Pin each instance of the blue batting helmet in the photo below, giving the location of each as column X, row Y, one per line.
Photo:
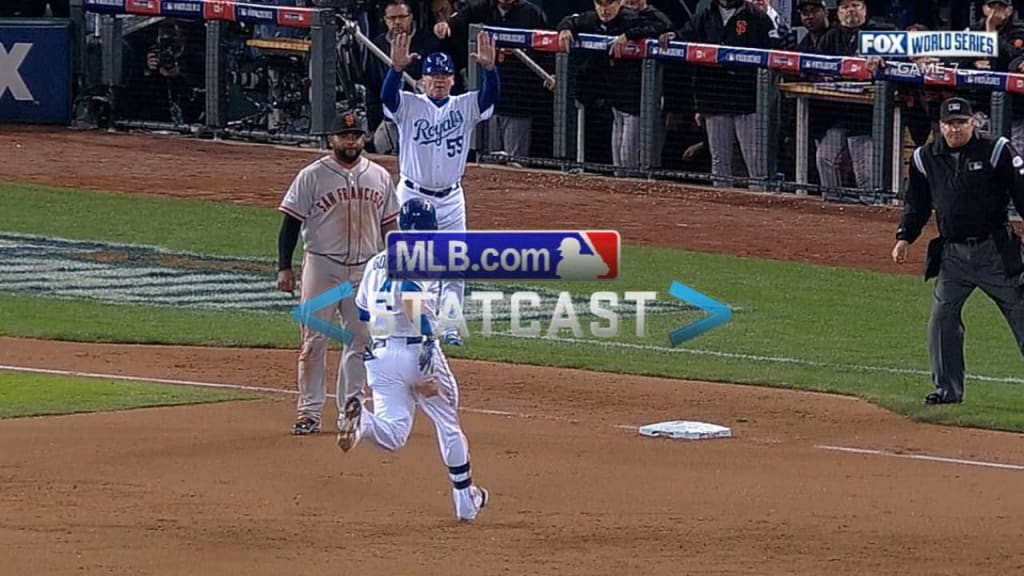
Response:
column 438, row 63
column 417, row 214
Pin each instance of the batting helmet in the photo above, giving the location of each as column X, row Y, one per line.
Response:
column 417, row 214
column 349, row 121
column 438, row 63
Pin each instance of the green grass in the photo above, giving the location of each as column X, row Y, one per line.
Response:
column 186, row 225
column 24, row 395
column 795, row 325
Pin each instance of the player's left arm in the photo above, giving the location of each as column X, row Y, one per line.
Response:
column 1009, row 169
column 490, row 90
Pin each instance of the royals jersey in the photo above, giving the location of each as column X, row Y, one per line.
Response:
column 380, row 300
column 434, row 140
column 342, row 211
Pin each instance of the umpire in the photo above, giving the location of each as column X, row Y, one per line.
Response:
column 968, row 180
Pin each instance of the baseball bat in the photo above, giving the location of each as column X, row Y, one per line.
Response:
column 549, row 80
column 384, row 57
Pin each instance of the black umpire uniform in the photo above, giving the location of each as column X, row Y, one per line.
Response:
column 969, row 181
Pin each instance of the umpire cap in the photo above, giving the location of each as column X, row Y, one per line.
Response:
column 349, row 121
column 956, row 109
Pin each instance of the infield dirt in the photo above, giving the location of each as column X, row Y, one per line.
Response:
column 223, row 489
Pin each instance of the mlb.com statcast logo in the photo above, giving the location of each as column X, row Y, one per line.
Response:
column 588, row 255
column 574, row 255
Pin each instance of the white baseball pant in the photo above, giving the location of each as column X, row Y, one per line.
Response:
column 392, row 374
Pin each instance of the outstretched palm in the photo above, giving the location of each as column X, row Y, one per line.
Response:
column 485, row 51
column 400, row 56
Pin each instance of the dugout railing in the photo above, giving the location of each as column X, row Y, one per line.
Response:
column 570, row 125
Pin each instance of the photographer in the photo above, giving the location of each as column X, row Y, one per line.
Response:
column 163, row 90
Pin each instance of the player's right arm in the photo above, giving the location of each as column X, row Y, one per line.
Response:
column 295, row 206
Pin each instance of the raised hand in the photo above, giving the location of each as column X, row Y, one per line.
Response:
column 400, row 56
column 485, row 51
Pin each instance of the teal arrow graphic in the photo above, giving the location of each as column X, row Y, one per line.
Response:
column 718, row 313
column 305, row 313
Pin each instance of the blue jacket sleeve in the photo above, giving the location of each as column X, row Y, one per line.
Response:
column 390, row 90
column 490, row 91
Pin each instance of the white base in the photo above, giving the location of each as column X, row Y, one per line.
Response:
column 685, row 430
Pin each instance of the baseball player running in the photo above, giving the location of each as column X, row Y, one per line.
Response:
column 344, row 204
column 434, row 136
column 406, row 368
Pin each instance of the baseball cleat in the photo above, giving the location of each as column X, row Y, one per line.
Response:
column 480, row 497
column 305, row 425
column 348, row 425
column 452, row 339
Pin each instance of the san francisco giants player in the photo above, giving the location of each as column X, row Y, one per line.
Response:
column 344, row 204
column 406, row 368
column 434, row 136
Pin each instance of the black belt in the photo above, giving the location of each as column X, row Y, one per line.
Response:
column 435, row 193
column 972, row 240
column 407, row 340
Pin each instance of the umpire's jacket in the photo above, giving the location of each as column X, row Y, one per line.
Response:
column 970, row 195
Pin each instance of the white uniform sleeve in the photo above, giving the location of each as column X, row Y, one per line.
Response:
column 364, row 288
column 403, row 108
column 298, row 201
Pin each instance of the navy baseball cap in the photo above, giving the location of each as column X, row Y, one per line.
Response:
column 438, row 63
column 956, row 109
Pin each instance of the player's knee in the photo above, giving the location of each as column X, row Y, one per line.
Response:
column 400, row 432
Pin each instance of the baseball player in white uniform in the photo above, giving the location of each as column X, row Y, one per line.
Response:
column 344, row 205
column 406, row 368
column 435, row 129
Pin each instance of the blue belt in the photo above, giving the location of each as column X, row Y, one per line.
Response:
column 406, row 340
column 435, row 193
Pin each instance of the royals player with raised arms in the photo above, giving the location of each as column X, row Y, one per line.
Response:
column 434, row 136
column 406, row 368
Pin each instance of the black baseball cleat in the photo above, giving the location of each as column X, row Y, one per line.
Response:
column 304, row 426
column 940, row 398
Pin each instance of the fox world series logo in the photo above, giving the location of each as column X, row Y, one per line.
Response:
column 504, row 255
column 941, row 44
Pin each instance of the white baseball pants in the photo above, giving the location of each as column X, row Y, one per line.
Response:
column 451, row 215
column 392, row 374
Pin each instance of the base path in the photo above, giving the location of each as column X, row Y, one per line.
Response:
column 223, row 488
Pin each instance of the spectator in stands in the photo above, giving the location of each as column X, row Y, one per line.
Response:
column 726, row 98
column 608, row 77
column 850, row 135
column 999, row 16
column 814, row 17
column 510, row 128
column 399, row 19
column 658, row 19
column 782, row 37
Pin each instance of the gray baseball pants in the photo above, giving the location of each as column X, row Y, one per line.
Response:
column 724, row 130
column 965, row 267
